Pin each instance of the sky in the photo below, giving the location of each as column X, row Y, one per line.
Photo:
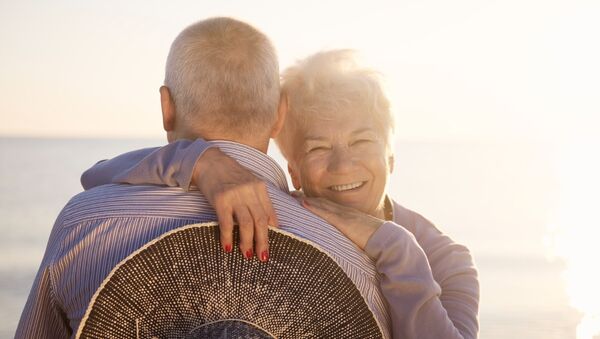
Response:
column 464, row 69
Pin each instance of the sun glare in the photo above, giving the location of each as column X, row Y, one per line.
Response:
column 575, row 233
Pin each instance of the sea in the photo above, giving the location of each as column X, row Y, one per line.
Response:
column 503, row 200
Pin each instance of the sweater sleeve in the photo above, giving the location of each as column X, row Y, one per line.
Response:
column 453, row 268
column 412, row 290
column 169, row 165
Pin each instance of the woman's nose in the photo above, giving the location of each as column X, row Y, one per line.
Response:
column 341, row 161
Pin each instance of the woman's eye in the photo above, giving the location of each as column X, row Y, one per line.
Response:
column 317, row 148
column 360, row 142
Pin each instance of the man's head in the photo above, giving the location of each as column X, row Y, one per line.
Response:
column 221, row 82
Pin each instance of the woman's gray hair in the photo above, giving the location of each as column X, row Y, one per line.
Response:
column 331, row 82
column 223, row 72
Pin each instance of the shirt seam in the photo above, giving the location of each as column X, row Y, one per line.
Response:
column 79, row 222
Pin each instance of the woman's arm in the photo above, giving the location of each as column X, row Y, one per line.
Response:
column 407, row 279
column 431, row 300
column 452, row 267
column 169, row 165
column 235, row 193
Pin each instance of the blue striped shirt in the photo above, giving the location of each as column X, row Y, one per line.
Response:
column 100, row 227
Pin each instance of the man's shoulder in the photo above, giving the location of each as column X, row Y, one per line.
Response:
column 120, row 200
column 123, row 192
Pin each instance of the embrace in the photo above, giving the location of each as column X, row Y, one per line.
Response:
column 222, row 101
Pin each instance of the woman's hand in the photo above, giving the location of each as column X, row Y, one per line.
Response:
column 236, row 194
column 354, row 224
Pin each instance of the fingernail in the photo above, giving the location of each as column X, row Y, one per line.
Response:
column 249, row 254
column 305, row 202
column 264, row 256
column 228, row 248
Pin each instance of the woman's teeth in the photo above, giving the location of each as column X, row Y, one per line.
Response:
column 340, row 188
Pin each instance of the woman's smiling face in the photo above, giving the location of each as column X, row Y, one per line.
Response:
column 343, row 158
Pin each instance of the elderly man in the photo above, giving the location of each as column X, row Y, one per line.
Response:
column 222, row 84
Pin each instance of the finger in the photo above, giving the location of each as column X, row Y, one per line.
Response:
column 264, row 215
column 246, row 227
column 316, row 207
column 226, row 230
column 318, row 203
column 325, row 209
column 261, row 242
column 265, row 201
column 330, row 206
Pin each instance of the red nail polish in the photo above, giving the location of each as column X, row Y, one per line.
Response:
column 249, row 254
column 264, row 256
column 228, row 248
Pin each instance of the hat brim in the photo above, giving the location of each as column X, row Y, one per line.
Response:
column 180, row 282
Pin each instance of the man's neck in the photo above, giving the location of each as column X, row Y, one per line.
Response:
column 260, row 144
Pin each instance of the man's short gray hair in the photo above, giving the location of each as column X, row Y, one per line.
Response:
column 331, row 82
column 223, row 75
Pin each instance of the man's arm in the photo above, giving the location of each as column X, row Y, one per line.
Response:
column 43, row 316
column 233, row 191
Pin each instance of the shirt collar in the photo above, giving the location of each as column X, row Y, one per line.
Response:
column 256, row 161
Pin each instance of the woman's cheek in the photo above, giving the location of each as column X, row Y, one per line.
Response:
column 310, row 172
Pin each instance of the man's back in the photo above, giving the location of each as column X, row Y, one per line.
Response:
column 100, row 227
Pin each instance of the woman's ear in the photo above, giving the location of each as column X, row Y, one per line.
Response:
column 295, row 177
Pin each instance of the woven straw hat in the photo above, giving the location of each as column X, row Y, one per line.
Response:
column 182, row 285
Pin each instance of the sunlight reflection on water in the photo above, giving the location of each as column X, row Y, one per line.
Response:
column 573, row 237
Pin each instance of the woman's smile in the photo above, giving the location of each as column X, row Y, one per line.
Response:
column 347, row 187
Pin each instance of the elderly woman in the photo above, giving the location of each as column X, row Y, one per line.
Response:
column 337, row 139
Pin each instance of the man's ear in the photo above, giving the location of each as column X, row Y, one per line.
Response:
column 391, row 163
column 168, row 109
column 282, row 110
column 295, row 177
